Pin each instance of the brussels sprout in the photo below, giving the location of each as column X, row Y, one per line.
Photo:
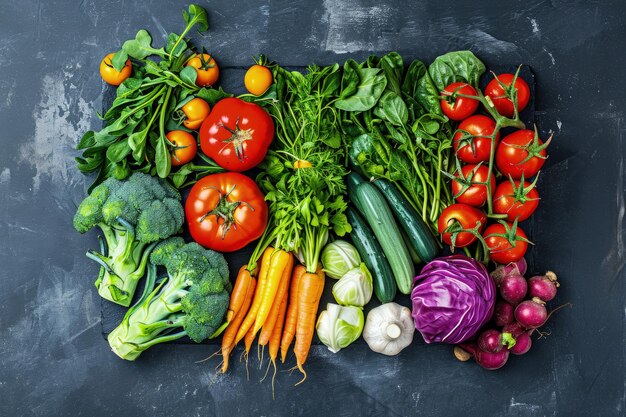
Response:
column 338, row 326
column 355, row 288
column 338, row 258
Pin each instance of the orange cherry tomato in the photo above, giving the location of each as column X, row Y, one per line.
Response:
column 196, row 110
column 206, row 68
column 112, row 76
column 185, row 146
column 258, row 79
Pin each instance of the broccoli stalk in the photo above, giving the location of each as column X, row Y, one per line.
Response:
column 133, row 215
column 191, row 301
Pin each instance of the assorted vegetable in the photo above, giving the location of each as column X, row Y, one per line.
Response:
column 401, row 160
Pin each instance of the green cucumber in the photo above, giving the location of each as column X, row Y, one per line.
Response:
column 418, row 233
column 374, row 208
column 372, row 254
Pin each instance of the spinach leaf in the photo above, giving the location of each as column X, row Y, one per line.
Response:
column 393, row 67
column 427, row 95
column 370, row 86
column 196, row 16
column 456, row 66
column 140, row 47
column 119, row 60
column 212, row 95
column 189, row 75
column 173, row 41
column 391, row 108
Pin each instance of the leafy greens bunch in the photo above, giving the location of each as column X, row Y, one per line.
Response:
column 304, row 169
column 396, row 125
column 133, row 138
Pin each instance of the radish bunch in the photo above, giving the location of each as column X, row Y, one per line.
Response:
column 520, row 309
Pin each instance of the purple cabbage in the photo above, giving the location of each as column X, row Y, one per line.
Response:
column 452, row 299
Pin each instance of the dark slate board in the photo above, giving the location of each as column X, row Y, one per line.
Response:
column 112, row 313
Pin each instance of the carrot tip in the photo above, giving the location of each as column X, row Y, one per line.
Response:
column 301, row 369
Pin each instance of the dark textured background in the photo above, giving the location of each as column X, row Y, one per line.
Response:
column 53, row 360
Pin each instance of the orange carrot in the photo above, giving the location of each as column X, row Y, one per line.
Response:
column 238, row 295
column 310, row 291
column 228, row 340
column 280, row 260
column 248, row 340
column 268, row 327
column 276, row 333
column 256, row 302
column 289, row 330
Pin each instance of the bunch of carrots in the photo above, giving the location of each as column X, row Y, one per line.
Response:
column 281, row 303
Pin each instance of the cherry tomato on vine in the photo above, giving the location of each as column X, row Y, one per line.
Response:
column 457, row 218
column 506, row 242
column 112, row 76
column 195, row 110
column 516, row 199
column 521, row 153
column 459, row 108
column 504, row 105
column 258, row 79
column 226, row 211
column 472, row 141
column 237, row 134
column 185, row 146
column 206, row 68
column 465, row 189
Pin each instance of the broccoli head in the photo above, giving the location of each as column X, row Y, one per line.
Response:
column 133, row 215
column 191, row 301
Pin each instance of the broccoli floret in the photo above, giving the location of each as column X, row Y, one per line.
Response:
column 133, row 215
column 191, row 301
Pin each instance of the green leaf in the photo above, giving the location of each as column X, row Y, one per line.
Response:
column 456, row 66
column 393, row 67
column 391, row 108
column 350, row 79
column 87, row 141
column 196, row 16
column 171, row 41
column 140, row 47
column 162, row 158
column 118, row 151
column 370, row 86
column 189, row 75
column 212, row 95
column 119, row 60
column 428, row 96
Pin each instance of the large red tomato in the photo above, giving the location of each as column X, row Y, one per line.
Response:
column 226, row 211
column 236, row 134
column 465, row 187
column 506, row 242
column 455, row 220
column 472, row 141
column 496, row 92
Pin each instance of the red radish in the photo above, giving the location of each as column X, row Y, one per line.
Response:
column 487, row 360
column 503, row 313
column 513, row 268
column 514, row 329
column 493, row 341
column 513, row 288
column 523, row 343
column 543, row 286
column 531, row 313
column 491, row 361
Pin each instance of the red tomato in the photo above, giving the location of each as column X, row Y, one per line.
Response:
column 236, row 134
column 465, row 189
column 459, row 108
column 515, row 200
column 457, row 218
column 226, row 211
column 503, row 105
column 521, row 153
column 473, row 150
column 506, row 243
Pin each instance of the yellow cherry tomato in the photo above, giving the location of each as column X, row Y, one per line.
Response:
column 196, row 110
column 185, row 147
column 206, row 68
column 112, row 76
column 258, row 79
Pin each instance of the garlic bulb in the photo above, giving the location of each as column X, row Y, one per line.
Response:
column 389, row 328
